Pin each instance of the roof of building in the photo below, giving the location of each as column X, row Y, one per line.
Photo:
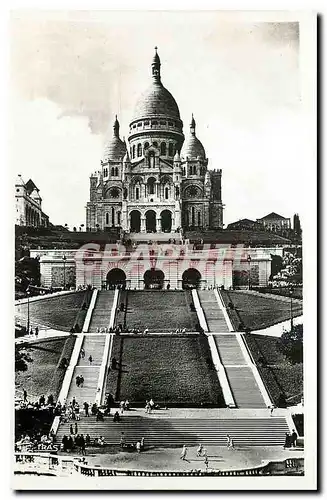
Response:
column 30, row 186
column 19, row 181
column 115, row 148
column 156, row 101
column 192, row 147
column 272, row 215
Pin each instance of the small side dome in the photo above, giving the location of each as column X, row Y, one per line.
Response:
column 19, row 181
column 115, row 148
column 192, row 147
column 177, row 156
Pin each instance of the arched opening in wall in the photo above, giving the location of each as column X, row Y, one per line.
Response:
column 116, row 278
column 107, row 219
column 191, row 279
column 112, row 216
column 199, row 219
column 166, row 221
column 163, row 149
column 133, row 152
column 151, row 159
column 139, row 150
column 146, row 145
column 137, row 193
column 154, row 279
column 151, row 185
column 166, row 193
column 135, row 221
column 150, row 221
column 192, row 216
column 171, row 149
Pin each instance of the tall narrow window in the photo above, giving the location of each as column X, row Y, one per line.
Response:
column 133, row 154
column 163, row 149
column 171, row 149
column 116, row 171
column 192, row 216
column 107, row 219
column 113, row 216
column 118, row 218
column 137, row 193
column 166, row 193
column 139, row 150
column 151, row 159
column 112, row 171
column 199, row 219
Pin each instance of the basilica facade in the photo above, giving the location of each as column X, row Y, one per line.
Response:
column 159, row 180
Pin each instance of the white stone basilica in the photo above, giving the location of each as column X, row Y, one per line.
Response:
column 157, row 182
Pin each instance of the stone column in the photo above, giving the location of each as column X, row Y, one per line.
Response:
column 143, row 226
column 158, row 225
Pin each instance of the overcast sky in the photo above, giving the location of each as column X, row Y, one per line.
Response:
column 72, row 72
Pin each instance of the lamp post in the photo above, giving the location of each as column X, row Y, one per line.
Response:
column 291, row 296
column 64, row 259
column 249, row 271
column 28, row 313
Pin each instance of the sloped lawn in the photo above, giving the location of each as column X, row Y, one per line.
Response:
column 58, row 312
column 172, row 370
column 258, row 312
column 283, row 379
column 160, row 311
column 44, row 375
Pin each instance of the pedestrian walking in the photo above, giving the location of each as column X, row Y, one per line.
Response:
column 36, row 331
column 81, row 379
column 142, row 443
column 122, row 407
column 206, row 462
column 25, row 395
column 293, row 438
column 78, row 380
column 90, row 359
column 271, row 411
column 228, row 438
column 287, row 443
column 184, row 453
column 86, row 408
column 82, row 353
column 76, row 428
column 82, row 444
column 71, row 429
column 199, row 451
column 138, row 447
column 122, row 440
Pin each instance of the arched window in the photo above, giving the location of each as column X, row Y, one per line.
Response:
column 192, row 216
column 116, row 171
column 199, row 219
column 113, row 216
column 137, row 193
column 171, row 149
column 105, row 172
column 133, row 153
column 166, row 193
column 155, row 144
column 107, row 219
column 139, row 150
column 151, row 159
column 112, row 171
column 151, row 185
column 118, row 218
column 163, row 149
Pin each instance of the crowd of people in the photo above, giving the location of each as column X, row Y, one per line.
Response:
column 290, row 439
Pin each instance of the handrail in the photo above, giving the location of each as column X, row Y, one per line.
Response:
column 93, row 471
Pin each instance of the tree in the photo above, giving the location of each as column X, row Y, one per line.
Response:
column 276, row 265
column 292, row 344
column 21, row 359
column 74, row 229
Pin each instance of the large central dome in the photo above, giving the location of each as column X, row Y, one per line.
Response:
column 156, row 101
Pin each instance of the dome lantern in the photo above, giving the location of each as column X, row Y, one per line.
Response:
column 156, row 66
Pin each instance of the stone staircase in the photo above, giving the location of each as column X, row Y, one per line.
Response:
column 175, row 432
column 93, row 345
column 240, row 376
column 214, row 316
column 102, row 310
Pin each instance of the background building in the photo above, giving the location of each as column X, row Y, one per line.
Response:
column 157, row 182
column 29, row 205
column 275, row 222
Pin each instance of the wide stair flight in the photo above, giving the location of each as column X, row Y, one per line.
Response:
column 214, row 316
column 175, row 432
column 93, row 346
column 240, row 376
column 102, row 310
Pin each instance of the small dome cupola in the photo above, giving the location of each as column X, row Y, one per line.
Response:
column 156, row 66
column 192, row 147
column 115, row 148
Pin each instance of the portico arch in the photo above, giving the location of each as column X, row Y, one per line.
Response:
column 150, row 221
column 154, row 278
column 135, row 221
column 166, row 221
column 116, row 277
column 191, row 279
